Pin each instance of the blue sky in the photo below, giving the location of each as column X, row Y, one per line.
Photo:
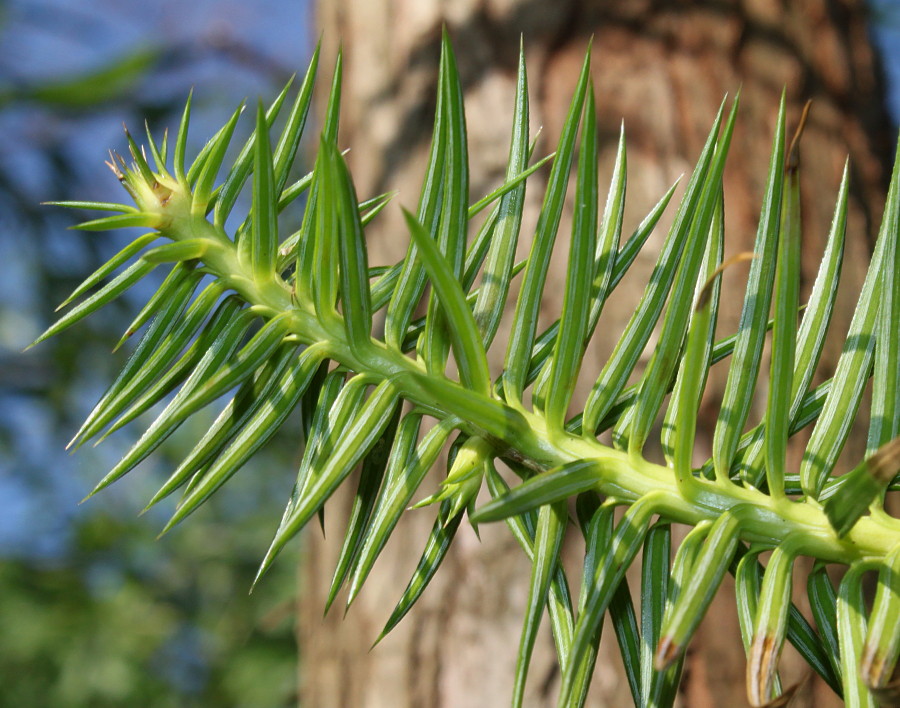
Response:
column 886, row 33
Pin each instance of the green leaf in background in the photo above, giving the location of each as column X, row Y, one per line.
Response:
column 86, row 91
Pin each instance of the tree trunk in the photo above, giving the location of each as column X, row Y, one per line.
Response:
column 663, row 67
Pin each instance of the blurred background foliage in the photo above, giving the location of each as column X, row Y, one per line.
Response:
column 93, row 611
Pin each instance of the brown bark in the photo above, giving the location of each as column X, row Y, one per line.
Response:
column 663, row 67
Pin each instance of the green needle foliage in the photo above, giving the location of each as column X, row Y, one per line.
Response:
column 273, row 322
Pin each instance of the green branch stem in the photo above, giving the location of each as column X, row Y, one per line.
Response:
column 288, row 322
column 620, row 475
